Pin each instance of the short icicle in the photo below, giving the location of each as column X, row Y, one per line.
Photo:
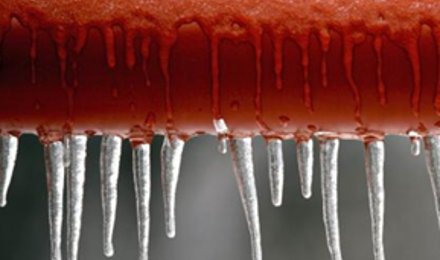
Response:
column 304, row 154
column 329, row 186
column 171, row 157
column 142, row 184
column 75, row 192
column 109, row 163
column 414, row 138
column 276, row 170
column 53, row 153
column 241, row 152
column 8, row 155
column 222, row 130
column 432, row 151
column 374, row 163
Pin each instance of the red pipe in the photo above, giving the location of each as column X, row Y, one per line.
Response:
column 351, row 68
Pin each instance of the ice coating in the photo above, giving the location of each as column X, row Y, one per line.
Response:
column 77, row 151
column 241, row 153
column 374, row 162
column 171, row 158
column 276, row 170
column 142, row 182
column 54, row 160
column 8, row 154
column 110, row 160
column 329, row 189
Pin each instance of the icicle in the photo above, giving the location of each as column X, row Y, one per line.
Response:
column 8, row 154
column 276, row 170
column 66, row 142
column 55, row 185
column 329, row 186
column 75, row 192
column 222, row 129
column 171, row 158
column 241, row 152
column 110, row 158
column 304, row 155
column 375, row 157
column 142, row 184
column 432, row 150
column 414, row 138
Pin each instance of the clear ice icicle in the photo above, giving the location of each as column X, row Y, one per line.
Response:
column 414, row 138
column 222, row 129
column 8, row 154
column 76, row 170
column 329, row 185
column 241, row 152
column 54, row 156
column 432, row 150
column 276, row 170
column 374, row 163
column 142, row 184
column 171, row 157
column 304, row 155
column 110, row 159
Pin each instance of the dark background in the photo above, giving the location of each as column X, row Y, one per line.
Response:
column 210, row 219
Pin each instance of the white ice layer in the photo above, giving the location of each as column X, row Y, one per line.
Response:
column 142, row 184
column 54, row 161
column 304, row 154
column 8, row 154
column 241, row 152
column 76, row 170
column 329, row 188
column 109, row 167
column 374, row 163
column 171, row 157
column 276, row 170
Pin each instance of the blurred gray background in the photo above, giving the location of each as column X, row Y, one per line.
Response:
column 210, row 219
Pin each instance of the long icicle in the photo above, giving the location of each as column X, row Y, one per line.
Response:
column 171, row 157
column 432, row 151
column 276, row 170
column 374, row 163
column 110, row 159
column 76, row 171
column 329, row 186
column 241, row 152
column 8, row 154
column 53, row 153
column 142, row 184
column 304, row 155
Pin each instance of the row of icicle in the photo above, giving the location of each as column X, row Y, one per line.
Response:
column 66, row 159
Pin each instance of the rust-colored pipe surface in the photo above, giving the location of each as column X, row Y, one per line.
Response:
column 267, row 67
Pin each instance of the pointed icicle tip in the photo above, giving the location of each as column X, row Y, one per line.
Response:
column 54, row 153
column 276, row 170
column 142, row 184
column 329, row 186
column 304, row 153
column 374, row 163
column 8, row 155
column 432, row 150
column 110, row 160
column 241, row 153
column 171, row 157
column 77, row 150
